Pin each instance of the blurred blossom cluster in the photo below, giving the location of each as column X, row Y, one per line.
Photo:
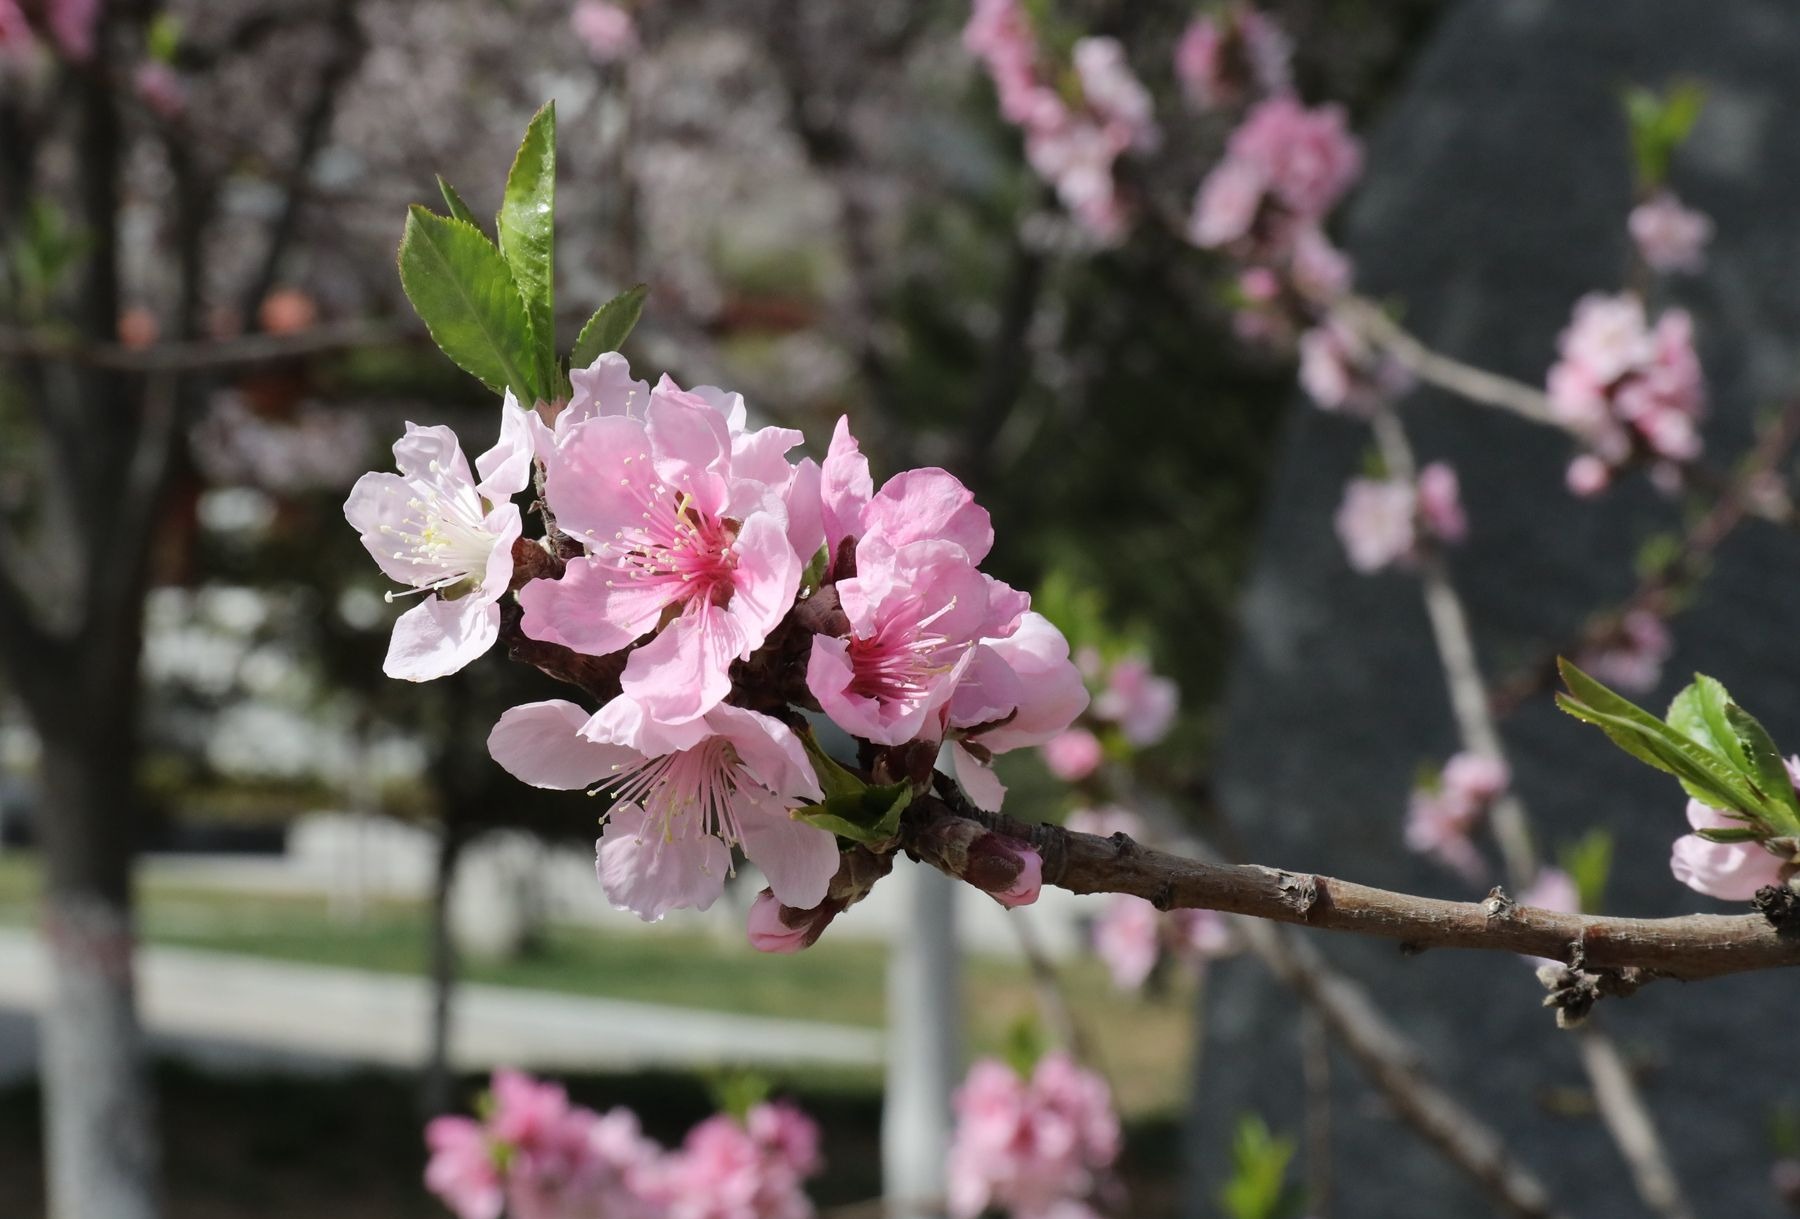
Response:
column 1135, row 704
column 534, row 1155
column 1382, row 521
column 315, row 449
column 1228, row 55
column 1669, row 236
column 1076, row 124
column 1629, row 389
column 1036, row 1147
column 1443, row 814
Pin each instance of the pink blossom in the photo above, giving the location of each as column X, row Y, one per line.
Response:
column 687, row 540
column 1028, row 881
column 726, row 1169
column 1440, row 503
column 1019, row 690
column 606, row 30
column 1321, row 272
column 1204, row 935
column 1128, row 939
column 17, row 42
column 1729, row 871
column 1139, row 700
column 432, row 526
column 915, row 613
column 1223, row 58
column 1670, row 237
column 73, row 24
column 768, row 929
column 1111, row 90
column 1375, row 522
column 1073, row 755
column 1300, row 160
column 1624, row 387
column 1632, row 657
column 684, row 795
column 1441, row 817
column 1588, row 476
column 462, row 1170
column 1341, row 371
column 160, row 87
column 1555, row 890
column 1031, row 1148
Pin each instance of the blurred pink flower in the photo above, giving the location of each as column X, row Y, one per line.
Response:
column 161, row 88
column 73, row 24
column 1341, row 371
column 1670, row 237
column 1301, row 160
column 1375, row 523
column 1225, row 57
column 1441, row 818
column 1128, row 939
column 1624, row 386
column 1440, row 503
column 1139, row 700
column 1632, row 659
column 462, row 1170
column 1073, row 755
column 606, row 30
column 1030, row 1148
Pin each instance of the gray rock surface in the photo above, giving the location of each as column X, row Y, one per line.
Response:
column 1497, row 194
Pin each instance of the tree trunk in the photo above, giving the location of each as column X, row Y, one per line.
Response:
column 100, row 1133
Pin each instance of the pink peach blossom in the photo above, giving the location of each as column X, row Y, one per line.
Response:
column 1073, row 755
column 606, row 30
column 687, row 541
column 1030, row 1148
column 1376, row 523
column 1300, row 160
column 684, row 796
column 1222, row 58
column 1632, row 658
column 1019, row 690
column 1670, row 237
column 1128, row 940
column 1729, row 871
column 1440, row 503
column 1139, row 700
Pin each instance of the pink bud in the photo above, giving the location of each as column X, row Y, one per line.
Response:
column 1030, row 882
column 1588, row 476
column 770, row 929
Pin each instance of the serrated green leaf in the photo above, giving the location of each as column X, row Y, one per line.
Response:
column 527, row 230
column 869, row 815
column 458, row 209
column 610, row 326
column 1698, row 712
column 464, row 292
column 1781, row 808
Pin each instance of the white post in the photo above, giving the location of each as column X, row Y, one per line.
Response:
column 924, row 1060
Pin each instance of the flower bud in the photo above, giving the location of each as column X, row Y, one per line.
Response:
column 993, row 857
column 776, row 928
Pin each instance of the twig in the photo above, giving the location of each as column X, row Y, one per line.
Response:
column 1053, row 1005
column 209, row 355
column 1465, row 380
column 1634, row 950
column 1628, row 1121
column 1315, row 1070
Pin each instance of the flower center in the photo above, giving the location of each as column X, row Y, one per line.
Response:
column 904, row 658
column 699, row 782
column 677, row 545
column 444, row 533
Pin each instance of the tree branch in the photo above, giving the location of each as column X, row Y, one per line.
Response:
column 1465, row 380
column 1632, row 951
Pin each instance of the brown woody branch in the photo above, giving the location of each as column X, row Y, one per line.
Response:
column 1630, row 951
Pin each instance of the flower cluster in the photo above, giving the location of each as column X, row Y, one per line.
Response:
column 1037, row 1148
column 1381, row 519
column 723, row 588
column 1074, row 132
column 1668, row 236
column 1340, row 370
column 1631, row 655
column 1626, row 388
column 1226, row 57
column 534, row 1155
column 1730, row 871
column 1443, row 814
column 1284, row 169
column 1135, row 704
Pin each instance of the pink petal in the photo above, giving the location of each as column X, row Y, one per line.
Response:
column 798, row 859
column 685, row 671
column 806, row 521
column 692, row 445
column 598, row 476
column 378, row 506
column 979, row 783
column 769, row 750
column 539, row 744
column 766, row 579
column 930, row 503
column 506, row 468
column 436, row 637
column 845, row 487
column 1053, row 693
column 579, row 611
column 650, row 873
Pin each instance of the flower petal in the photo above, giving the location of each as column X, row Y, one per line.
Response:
column 650, row 872
column 505, row 469
column 540, row 744
column 685, row 671
column 436, row 637
column 798, row 859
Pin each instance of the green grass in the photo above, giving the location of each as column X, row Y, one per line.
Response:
column 1141, row 1043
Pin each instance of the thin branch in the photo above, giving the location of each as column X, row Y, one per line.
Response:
column 1633, row 951
column 1628, row 1121
column 209, row 355
column 1315, row 1070
column 1465, row 380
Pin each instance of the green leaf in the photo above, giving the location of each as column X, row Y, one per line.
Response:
column 1731, row 834
column 463, row 292
column 1025, row 1044
column 608, row 329
column 527, row 229
column 458, row 209
column 869, row 815
column 1258, row 1186
column 163, row 38
column 1699, row 712
column 1706, row 775
column 1781, row 808
column 737, row 1091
